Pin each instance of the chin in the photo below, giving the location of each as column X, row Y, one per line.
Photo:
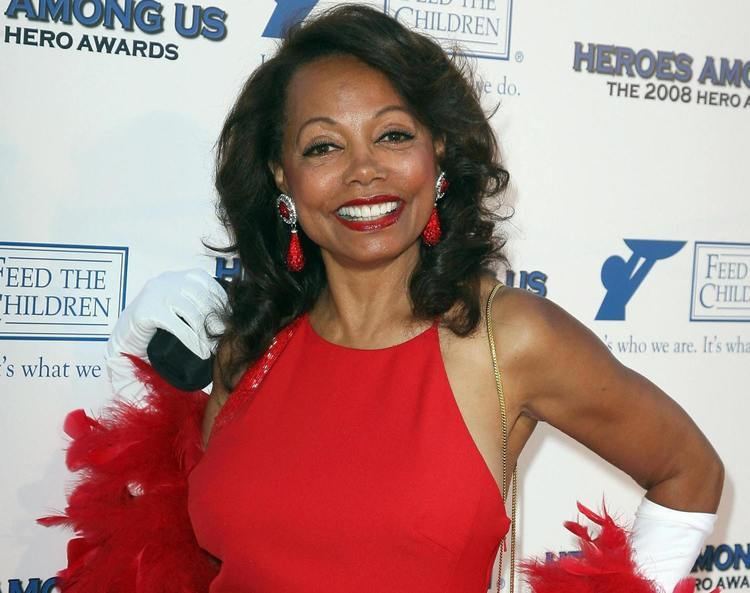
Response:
column 379, row 253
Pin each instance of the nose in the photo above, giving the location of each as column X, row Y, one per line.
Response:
column 364, row 167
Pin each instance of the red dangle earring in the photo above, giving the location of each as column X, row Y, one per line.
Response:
column 295, row 259
column 432, row 232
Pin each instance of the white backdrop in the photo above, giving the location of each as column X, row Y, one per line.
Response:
column 105, row 164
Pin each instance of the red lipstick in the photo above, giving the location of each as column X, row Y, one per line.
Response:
column 373, row 224
column 371, row 200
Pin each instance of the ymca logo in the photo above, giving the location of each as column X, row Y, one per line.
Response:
column 286, row 14
column 622, row 277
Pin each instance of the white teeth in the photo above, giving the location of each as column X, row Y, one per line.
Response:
column 367, row 212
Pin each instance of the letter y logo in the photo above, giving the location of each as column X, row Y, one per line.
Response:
column 622, row 278
column 286, row 14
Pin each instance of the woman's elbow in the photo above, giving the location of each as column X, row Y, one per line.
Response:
column 715, row 475
column 708, row 478
column 694, row 484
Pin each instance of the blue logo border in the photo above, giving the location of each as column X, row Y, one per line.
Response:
column 503, row 58
column 692, row 284
column 123, row 283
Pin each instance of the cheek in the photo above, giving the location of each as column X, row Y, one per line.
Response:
column 311, row 186
column 313, row 190
column 419, row 174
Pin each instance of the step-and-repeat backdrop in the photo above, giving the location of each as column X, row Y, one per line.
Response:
column 626, row 130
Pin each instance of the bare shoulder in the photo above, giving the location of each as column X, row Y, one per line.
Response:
column 522, row 321
column 542, row 343
column 531, row 322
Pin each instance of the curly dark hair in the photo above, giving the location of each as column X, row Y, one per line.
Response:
column 439, row 91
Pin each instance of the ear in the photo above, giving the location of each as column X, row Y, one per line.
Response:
column 278, row 175
column 438, row 145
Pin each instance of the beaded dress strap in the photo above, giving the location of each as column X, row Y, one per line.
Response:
column 254, row 375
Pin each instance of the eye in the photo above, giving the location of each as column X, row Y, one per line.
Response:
column 319, row 149
column 396, row 136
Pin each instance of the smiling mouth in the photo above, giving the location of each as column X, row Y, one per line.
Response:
column 370, row 214
column 367, row 213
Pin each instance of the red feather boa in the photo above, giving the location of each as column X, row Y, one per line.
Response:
column 605, row 564
column 129, row 507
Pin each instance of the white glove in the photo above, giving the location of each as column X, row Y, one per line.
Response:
column 667, row 542
column 179, row 302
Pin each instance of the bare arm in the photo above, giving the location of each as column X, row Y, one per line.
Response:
column 574, row 383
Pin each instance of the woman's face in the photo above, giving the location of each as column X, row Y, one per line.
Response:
column 359, row 166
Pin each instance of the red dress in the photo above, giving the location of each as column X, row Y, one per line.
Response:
column 348, row 470
column 330, row 469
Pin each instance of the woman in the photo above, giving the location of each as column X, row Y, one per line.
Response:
column 352, row 173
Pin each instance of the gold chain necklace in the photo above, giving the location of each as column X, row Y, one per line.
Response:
column 504, row 424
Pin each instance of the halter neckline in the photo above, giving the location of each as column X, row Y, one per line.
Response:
column 306, row 323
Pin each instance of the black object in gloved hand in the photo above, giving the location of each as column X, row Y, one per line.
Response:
column 176, row 363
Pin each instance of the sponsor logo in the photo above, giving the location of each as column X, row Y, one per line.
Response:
column 622, row 277
column 723, row 558
column 145, row 16
column 721, row 282
column 228, row 269
column 481, row 28
column 673, row 72
column 60, row 292
column 287, row 13
column 723, row 583
column 534, row 281
column 32, row 586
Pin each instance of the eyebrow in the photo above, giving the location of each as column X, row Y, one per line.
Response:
column 333, row 122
